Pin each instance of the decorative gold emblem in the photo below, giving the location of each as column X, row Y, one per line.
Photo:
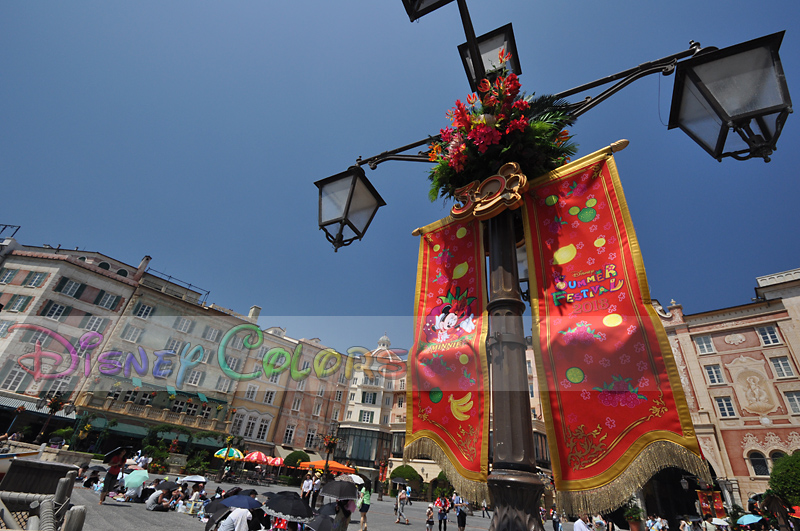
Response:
column 487, row 198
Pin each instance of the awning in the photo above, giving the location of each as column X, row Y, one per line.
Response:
column 171, row 390
column 30, row 406
column 122, row 428
column 314, row 456
column 137, row 382
column 283, row 452
column 202, row 397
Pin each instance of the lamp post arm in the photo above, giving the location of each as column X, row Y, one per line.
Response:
column 396, row 154
column 665, row 65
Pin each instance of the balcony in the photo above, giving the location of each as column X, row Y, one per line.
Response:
column 89, row 402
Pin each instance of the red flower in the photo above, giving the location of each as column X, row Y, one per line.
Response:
column 446, row 134
column 484, row 136
column 512, row 85
column 516, row 125
column 484, row 86
column 521, row 105
column 460, row 116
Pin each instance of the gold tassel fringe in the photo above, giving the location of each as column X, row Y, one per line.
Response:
column 656, row 457
column 474, row 491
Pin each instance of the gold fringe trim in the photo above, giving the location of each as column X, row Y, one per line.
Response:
column 654, row 458
column 474, row 491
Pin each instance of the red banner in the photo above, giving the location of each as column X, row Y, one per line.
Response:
column 614, row 405
column 448, row 413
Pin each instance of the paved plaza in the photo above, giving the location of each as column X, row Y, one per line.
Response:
column 120, row 516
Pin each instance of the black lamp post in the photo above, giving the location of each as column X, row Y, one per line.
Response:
column 54, row 407
column 734, row 101
column 489, row 46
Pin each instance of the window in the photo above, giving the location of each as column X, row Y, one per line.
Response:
column 130, row 396
column 775, row 456
column 175, row 345
column 530, row 368
column 263, row 427
column 131, row 333
column 261, row 353
column 35, row 279
column 183, row 324
column 274, row 377
column 250, row 394
column 55, row 311
column 349, row 415
column 205, row 411
column 39, row 336
column 389, row 385
column 145, row 399
column 4, row 326
column 530, row 390
column 387, row 401
column 342, row 378
column 768, row 335
column 317, row 409
column 144, row 311
column 18, row 303
column 162, row 368
column 269, row 397
column 236, row 427
column 296, row 404
column 114, row 393
column 191, row 409
column 759, row 464
column 725, row 405
column 368, row 398
column 714, row 374
column 403, row 384
column 301, row 385
column 7, row 274
column 60, row 386
column 335, row 415
column 211, row 334
column 352, row 396
column 310, row 438
column 793, row 399
column 250, row 426
column 366, row 416
column 108, row 301
column 94, row 324
column 194, row 378
column 386, row 419
column 13, row 380
column 178, row 405
column 223, row 384
column 70, row 288
column 232, row 362
column 704, row 344
column 338, row 396
column 321, row 390
column 782, row 367
column 236, row 342
column 400, row 401
column 288, row 435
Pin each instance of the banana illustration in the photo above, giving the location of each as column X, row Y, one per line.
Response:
column 458, row 407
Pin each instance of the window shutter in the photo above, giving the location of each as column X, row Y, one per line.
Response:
column 99, row 297
column 191, row 327
column 26, row 336
column 25, row 304
column 153, row 311
column 11, row 301
column 175, row 324
column 65, row 314
column 46, row 308
column 85, row 320
column 115, row 304
column 61, row 283
column 79, row 291
column 202, row 379
column 27, row 278
column 136, row 308
column 205, row 332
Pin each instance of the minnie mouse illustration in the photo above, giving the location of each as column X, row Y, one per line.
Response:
column 451, row 319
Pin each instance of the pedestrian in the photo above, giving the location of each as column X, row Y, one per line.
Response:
column 363, row 504
column 315, row 489
column 707, row 525
column 582, row 523
column 461, row 513
column 408, row 494
column 402, row 498
column 443, row 507
column 556, row 520
column 341, row 519
column 110, row 481
column 429, row 518
column 483, row 508
column 308, row 486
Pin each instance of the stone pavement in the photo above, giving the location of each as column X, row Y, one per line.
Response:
column 119, row 516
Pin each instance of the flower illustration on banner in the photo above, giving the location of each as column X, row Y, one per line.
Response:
column 565, row 383
column 605, row 363
column 624, row 359
column 610, row 423
column 619, row 392
column 644, row 381
column 638, row 347
column 585, row 394
column 587, row 359
column 631, row 330
column 581, row 334
column 641, row 366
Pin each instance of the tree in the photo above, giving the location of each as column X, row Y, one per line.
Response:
column 295, row 458
column 784, row 481
column 406, row 472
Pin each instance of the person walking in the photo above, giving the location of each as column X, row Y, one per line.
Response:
column 308, row 486
column 402, row 498
column 363, row 504
column 429, row 518
column 117, row 460
column 315, row 489
column 483, row 508
column 556, row 520
column 461, row 513
column 582, row 523
column 443, row 506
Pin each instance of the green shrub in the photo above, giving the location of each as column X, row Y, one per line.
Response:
column 406, row 472
column 784, row 481
column 295, row 458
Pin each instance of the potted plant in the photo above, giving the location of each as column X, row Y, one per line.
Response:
column 633, row 514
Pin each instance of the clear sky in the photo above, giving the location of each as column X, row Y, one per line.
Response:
column 192, row 131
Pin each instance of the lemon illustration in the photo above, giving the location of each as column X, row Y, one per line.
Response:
column 591, row 202
column 551, row 200
column 436, row 248
column 460, row 270
column 460, row 233
column 612, row 320
column 574, row 210
column 575, row 375
column 599, row 242
column 464, row 359
column 564, row 254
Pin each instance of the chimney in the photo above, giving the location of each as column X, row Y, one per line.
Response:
column 255, row 311
column 142, row 268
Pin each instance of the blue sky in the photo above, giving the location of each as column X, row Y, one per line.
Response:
column 192, row 131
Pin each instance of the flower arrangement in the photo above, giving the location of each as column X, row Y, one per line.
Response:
column 329, row 441
column 497, row 126
column 173, row 447
column 20, row 409
column 219, row 407
column 172, row 396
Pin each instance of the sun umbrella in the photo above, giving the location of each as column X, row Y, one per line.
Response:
column 748, row 519
column 289, row 506
column 136, row 478
column 167, row 485
column 357, row 479
column 195, row 479
column 278, row 461
column 340, row 490
column 240, row 500
column 719, row 521
column 795, row 512
column 99, row 468
column 217, row 517
column 256, row 457
column 233, row 454
column 329, row 509
column 692, row 518
column 399, row 480
column 321, row 523
column 114, row 452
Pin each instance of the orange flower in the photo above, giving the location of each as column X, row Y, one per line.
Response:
column 562, row 137
column 436, row 151
column 472, row 99
column 503, row 56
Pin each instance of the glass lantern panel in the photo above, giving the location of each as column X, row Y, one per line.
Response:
column 489, row 48
column 698, row 117
column 362, row 207
column 742, row 83
column 334, row 199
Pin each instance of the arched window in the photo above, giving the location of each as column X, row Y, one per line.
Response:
column 774, row 456
column 759, row 464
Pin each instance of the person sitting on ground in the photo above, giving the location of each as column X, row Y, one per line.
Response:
column 236, row 521
column 158, row 501
column 93, row 478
